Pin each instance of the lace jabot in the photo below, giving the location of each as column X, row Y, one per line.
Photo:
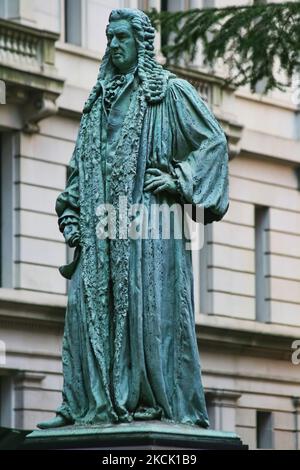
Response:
column 113, row 88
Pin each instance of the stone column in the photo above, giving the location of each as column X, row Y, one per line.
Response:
column 28, row 395
column 221, row 405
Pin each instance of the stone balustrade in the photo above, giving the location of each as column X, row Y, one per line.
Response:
column 18, row 47
column 24, row 45
column 27, row 68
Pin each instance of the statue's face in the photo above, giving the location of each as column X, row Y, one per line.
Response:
column 122, row 45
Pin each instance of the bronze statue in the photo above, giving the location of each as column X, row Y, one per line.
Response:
column 146, row 137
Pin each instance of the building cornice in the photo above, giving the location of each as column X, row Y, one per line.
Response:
column 246, row 337
column 271, row 147
column 18, row 306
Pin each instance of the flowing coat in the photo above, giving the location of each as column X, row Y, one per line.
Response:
column 129, row 347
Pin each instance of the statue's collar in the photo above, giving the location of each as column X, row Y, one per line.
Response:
column 126, row 77
column 131, row 80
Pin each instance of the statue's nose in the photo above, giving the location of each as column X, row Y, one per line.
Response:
column 114, row 43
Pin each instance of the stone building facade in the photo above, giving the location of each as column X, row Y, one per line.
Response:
column 247, row 277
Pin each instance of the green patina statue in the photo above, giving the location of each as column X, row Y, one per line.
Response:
column 129, row 347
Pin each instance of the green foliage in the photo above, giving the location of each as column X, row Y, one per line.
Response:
column 255, row 41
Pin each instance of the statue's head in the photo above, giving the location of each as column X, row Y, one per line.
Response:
column 130, row 39
column 130, row 45
column 122, row 45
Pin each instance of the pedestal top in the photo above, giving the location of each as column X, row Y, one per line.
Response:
column 154, row 434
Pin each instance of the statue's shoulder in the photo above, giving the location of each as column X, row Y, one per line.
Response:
column 179, row 84
column 181, row 90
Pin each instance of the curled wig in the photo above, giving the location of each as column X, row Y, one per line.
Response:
column 151, row 74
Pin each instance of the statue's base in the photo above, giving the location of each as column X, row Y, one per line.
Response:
column 134, row 436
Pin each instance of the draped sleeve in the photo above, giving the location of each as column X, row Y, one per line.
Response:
column 199, row 151
column 67, row 203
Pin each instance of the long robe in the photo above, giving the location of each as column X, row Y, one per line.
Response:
column 129, row 347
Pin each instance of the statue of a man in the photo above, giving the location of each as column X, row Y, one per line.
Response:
column 129, row 347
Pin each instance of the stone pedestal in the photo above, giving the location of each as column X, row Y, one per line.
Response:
column 134, row 436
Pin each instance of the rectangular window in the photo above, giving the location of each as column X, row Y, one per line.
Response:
column 9, row 9
column 164, row 5
column 6, row 209
column 85, row 23
column 174, row 5
column 261, row 280
column 73, row 22
column 183, row 5
column 264, row 430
